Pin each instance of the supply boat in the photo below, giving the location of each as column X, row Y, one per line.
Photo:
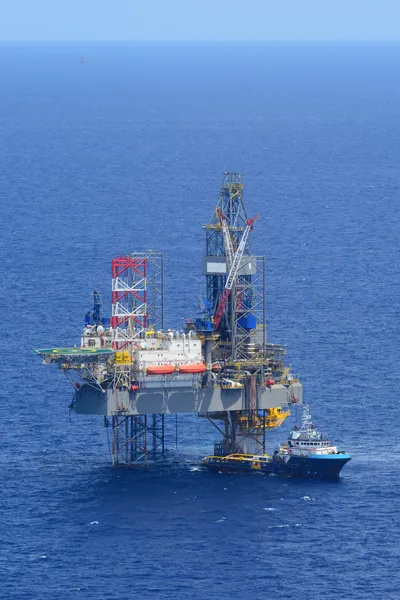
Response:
column 307, row 453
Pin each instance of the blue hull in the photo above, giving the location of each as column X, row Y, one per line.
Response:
column 316, row 467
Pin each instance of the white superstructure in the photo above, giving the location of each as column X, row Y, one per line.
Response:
column 307, row 439
column 171, row 348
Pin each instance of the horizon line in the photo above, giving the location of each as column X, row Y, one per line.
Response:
column 206, row 41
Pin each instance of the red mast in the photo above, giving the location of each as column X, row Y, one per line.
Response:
column 129, row 296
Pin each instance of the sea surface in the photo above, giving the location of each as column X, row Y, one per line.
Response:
column 126, row 152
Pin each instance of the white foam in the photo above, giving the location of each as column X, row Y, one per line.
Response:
column 94, row 523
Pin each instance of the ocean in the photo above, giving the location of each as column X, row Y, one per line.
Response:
column 126, row 152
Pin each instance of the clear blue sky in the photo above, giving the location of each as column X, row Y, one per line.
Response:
column 200, row 20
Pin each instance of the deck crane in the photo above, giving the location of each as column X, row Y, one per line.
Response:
column 233, row 271
column 227, row 239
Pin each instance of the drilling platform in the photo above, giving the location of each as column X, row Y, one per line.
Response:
column 132, row 371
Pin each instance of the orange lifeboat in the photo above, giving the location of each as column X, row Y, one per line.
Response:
column 196, row 368
column 160, row 370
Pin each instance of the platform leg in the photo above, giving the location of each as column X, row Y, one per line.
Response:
column 136, row 439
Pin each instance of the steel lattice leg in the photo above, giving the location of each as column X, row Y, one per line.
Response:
column 136, row 439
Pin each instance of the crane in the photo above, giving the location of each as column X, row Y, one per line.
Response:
column 227, row 239
column 234, row 268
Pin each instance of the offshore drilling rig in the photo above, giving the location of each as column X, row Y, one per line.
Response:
column 133, row 371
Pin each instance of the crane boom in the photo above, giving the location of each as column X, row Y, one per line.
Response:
column 233, row 271
column 227, row 239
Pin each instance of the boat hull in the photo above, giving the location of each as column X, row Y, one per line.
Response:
column 315, row 466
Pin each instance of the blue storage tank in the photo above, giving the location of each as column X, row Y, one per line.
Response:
column 106, row 322
column 248, row 322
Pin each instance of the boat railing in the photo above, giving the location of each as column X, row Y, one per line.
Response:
column 313, row 450
column 238, row 458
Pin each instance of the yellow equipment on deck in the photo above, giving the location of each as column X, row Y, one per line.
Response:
column 123, row 358
column 274, row 417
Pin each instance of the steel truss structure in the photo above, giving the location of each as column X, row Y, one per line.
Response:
column 230, row 203
column 249, row 301
column 79, row 365
column 137, row 297
column 137, row 305
column 154, row 287
column 136, row 439
column 129, row 300
column 241, row 432
column 243, row 326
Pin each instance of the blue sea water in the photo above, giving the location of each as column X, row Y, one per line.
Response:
column 126, row 152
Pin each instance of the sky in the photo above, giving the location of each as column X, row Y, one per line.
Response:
column 200, row 20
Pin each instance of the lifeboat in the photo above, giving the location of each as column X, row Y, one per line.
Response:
column 196, row 368
column 160, row 370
